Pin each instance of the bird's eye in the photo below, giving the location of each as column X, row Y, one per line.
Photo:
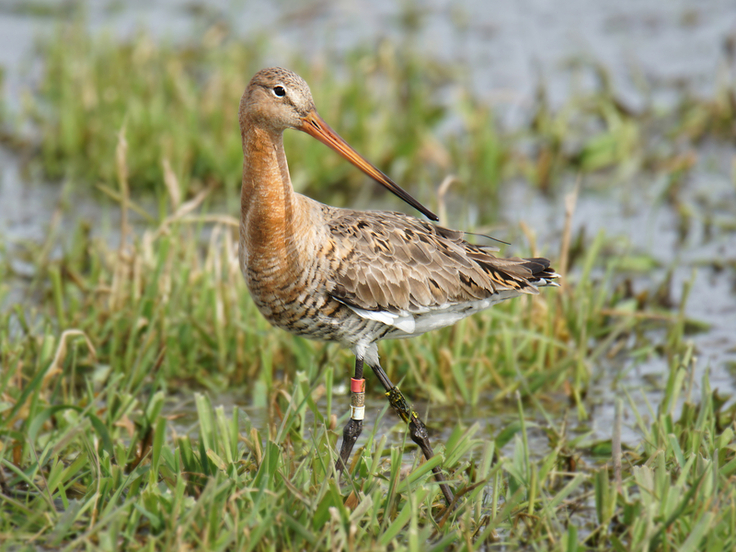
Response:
column 279, row 91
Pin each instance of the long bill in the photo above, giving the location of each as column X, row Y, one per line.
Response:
column 313, row 125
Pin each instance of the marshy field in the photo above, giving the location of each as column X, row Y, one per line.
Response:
column 145, row 404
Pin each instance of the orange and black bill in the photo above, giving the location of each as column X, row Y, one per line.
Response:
column 313, row 125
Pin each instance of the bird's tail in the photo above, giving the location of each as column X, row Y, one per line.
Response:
column 542, row 273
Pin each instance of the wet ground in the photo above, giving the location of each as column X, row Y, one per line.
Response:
column 507, row 48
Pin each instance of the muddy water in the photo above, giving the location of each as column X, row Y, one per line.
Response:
column 507, row 47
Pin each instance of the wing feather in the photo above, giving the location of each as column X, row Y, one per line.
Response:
column 395, row 263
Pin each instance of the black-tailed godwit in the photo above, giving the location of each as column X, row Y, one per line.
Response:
column 354, row 277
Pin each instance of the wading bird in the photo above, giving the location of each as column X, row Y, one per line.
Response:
column 354, row 277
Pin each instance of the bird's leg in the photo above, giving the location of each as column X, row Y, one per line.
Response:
column 417, row 429
column 357, row 411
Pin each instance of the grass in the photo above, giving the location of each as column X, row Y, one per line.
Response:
column 94, row 453
column 90, row 461
column 175, row 102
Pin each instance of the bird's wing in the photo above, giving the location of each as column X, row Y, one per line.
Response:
column 393, row 264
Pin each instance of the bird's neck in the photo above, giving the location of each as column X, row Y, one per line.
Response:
column 270, row 215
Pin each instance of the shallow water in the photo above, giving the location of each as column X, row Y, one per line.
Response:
column 506, row 47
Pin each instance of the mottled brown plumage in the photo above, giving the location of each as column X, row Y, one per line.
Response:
column 399, row 263
column 353, row 277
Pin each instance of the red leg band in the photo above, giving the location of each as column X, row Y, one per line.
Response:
column 357, row 385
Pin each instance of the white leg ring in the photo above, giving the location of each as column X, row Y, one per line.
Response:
column 357, row 412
